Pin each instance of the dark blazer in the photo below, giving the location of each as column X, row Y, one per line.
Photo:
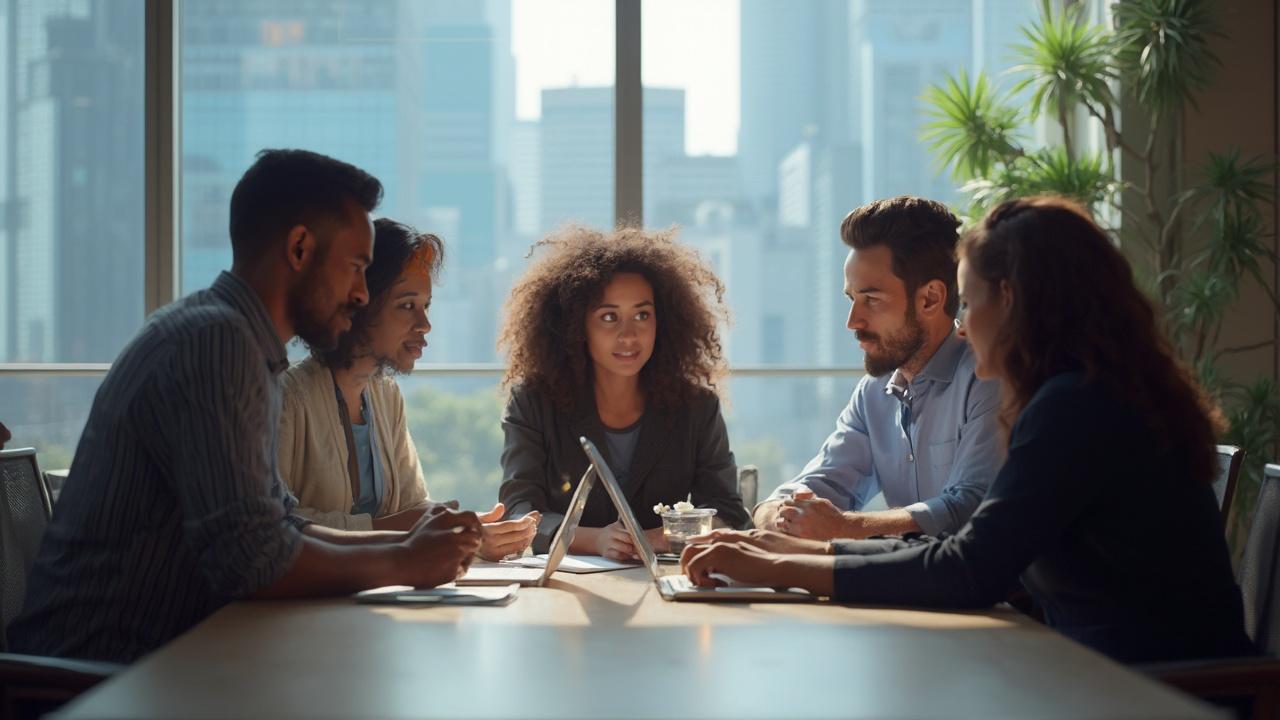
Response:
column 1124, row 552
column 676, row 454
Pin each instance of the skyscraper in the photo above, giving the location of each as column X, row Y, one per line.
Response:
column 72, row 234
column 663, row 119
column 577, row 156
column 577, row 150
column 795, row 83
column 686, row 184
column 525, row 170
column 259, row 75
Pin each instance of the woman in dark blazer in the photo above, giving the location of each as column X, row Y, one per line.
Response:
column 615, row 337
column 1104, row 507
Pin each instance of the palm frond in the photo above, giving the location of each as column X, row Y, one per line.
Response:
column 1065, row 61
column 1163, row 52
column 972, row 127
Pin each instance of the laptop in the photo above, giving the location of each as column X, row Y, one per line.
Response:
column 678, row 587
column 503, row 574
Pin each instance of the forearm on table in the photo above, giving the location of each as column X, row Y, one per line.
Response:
column 815, row 573
column 352, row 537
column 882, row 522
column 323, row 568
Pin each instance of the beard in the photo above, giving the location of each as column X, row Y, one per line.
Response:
column 896, row 349
column 315, row 317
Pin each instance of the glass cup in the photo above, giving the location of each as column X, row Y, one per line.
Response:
column 678, row 527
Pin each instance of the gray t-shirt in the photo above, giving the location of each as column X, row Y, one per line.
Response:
column 622, row 445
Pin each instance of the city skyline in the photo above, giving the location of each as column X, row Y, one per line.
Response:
column 823, row 113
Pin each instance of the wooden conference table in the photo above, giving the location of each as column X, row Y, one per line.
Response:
column 607, row 645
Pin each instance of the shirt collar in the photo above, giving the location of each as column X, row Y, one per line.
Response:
column 237, row 293
column 898, row 386
column 940, row 368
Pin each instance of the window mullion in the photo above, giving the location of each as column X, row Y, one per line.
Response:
column 162, row 140
column 628, row 107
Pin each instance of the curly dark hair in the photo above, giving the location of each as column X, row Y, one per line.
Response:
column 544, row 333
column 1076, row 308
column 394, row 246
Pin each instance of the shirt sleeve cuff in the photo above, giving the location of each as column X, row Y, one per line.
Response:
column 844, row 581
column 782, row 492
column 869, row 546
column 842, row 547
column 932, row 515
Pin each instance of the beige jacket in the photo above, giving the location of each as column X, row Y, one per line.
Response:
column 313, row 448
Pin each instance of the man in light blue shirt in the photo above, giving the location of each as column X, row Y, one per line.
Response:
column 920, row 427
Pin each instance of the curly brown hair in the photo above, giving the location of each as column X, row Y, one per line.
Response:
column 544, row 332
column 1076, row 308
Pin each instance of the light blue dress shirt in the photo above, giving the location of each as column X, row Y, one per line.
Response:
column 930, row 444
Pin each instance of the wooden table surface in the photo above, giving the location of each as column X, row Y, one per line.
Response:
column 607, row 645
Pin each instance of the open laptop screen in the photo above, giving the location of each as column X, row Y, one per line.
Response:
column 647, row 556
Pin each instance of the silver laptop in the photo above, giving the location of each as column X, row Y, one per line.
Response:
column 677, row 587
column 498, row 574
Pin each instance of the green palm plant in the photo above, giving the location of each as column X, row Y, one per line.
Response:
column 972, row 128
column 1089, row 180
column 1065, row 63
column 1163, row 49
column 1158, row 55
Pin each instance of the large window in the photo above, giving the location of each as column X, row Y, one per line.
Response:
column 71, row 194
column 765, row 123
column 490, row 122
column 452, row 105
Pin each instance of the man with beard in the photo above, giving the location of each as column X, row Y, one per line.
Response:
column 920, row 427
column 174, row 506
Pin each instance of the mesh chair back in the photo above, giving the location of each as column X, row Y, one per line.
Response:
column 1230, row 460
column 24, row 514
column 1258, row 571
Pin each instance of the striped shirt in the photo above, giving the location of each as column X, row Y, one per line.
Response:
column 173, row 506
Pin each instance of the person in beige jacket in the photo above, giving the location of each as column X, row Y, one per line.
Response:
column 344, row 448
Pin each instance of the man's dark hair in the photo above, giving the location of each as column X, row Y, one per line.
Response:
column 284, row 188
column 921, row 234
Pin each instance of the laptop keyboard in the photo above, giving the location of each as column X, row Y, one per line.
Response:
column 676, row 583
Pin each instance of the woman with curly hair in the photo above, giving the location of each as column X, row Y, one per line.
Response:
column 615, row 336
column 344, row 444
column 1104, row 506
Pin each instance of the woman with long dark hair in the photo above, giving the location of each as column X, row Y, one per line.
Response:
column 1103, row 507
